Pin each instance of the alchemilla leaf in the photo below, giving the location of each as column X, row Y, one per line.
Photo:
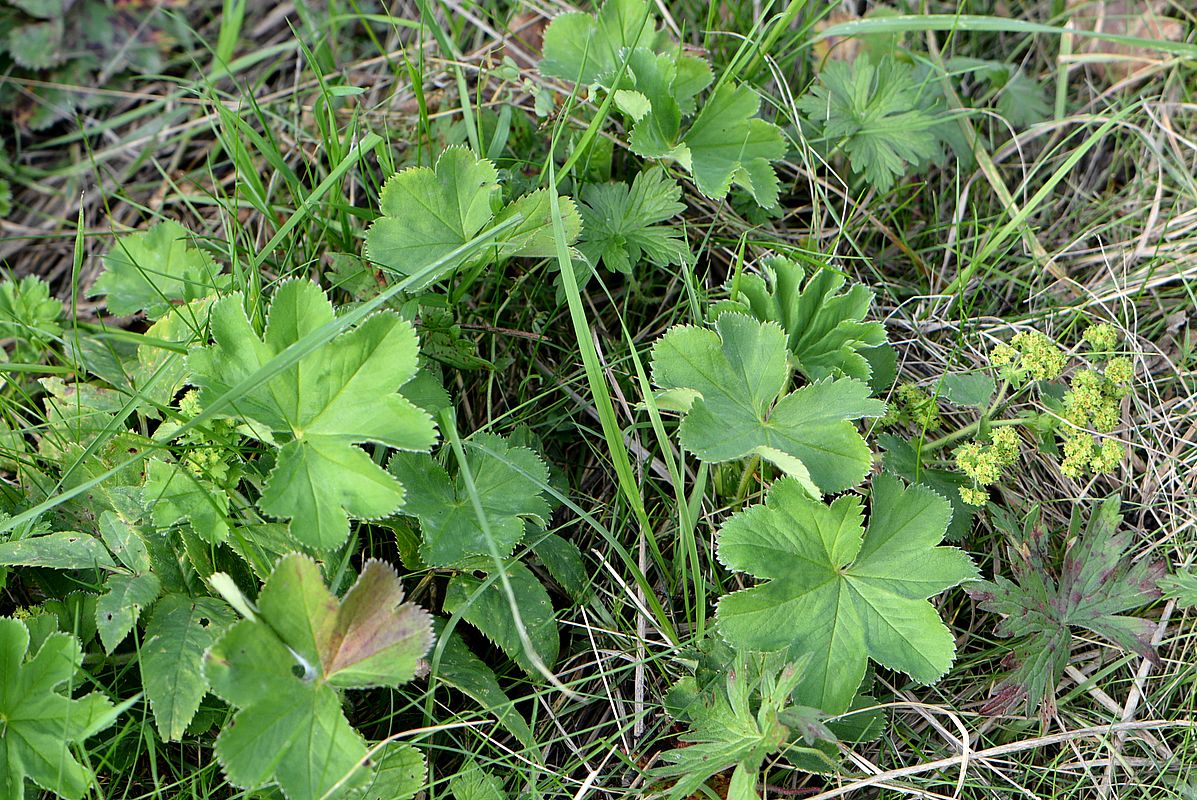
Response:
column 151, row 270
column 282, row 668
column 825, row 329
column 842, row 593
column 734, row 377
column 429, row 213
column 1095, row 587
column 580, row 47
column 39, row 722
column 510, row 484
column 343, row 393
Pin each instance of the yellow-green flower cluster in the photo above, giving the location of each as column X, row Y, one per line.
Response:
column 209, row 445
column 914, row 406
column 1092, row 402
column 1029, row 354
column 1102, row 338
column 984, row 463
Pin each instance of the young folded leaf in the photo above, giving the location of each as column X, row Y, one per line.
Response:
column 282, row 667
column 344, row 392
column 1097, row 583
column 825, row 331
column 840, row 592
column 38, row 722
column 729, row 382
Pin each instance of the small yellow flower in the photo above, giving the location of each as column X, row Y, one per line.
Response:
column 1102, row 337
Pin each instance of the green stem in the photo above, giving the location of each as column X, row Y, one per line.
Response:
column 969, row 430
column 746, row 478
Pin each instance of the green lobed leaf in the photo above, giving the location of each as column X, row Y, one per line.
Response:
column 41, row 722
column 727, row 144
column 151, row 270
column 509, row 482
column 874, row 114
column 579, row 47
column 733, row 378
column 345, row 392
column 840, row 592
column 469, row 674
column 825, row 331
column 490, row 613
column 282, row 666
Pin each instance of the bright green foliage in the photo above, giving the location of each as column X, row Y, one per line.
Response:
column 579, row 47
column 152, row 270
column 474, row 783
column 620, row 225
column 839, row 592
column 728, row 144
column 29, row 314
column 490, row 612
column 729, row 383
column 618, row 49
column 429, row 213
column 282, row 668
column 1095, row 584
column 344, row 392
column 825, row 331
column 39, row 722
column 738, row 725
column 1020, row 99
column 119, row 608
column 398, row 774
column 874, row 115
column 509, row 482
column 172, row 654
column 176, row 494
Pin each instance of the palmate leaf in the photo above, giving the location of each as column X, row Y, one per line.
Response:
column 345, row 392
column 728, row 144
column 510, row 485
column 621, row 224
column 839, row 592
column 825, row 328
column 1097, row 583
column 580, row 47
column 282, row 666
column 874, row 113
column 729, row 381
column 737, row 723
column 40, row 722
column 429, row 213
column 151, row 270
